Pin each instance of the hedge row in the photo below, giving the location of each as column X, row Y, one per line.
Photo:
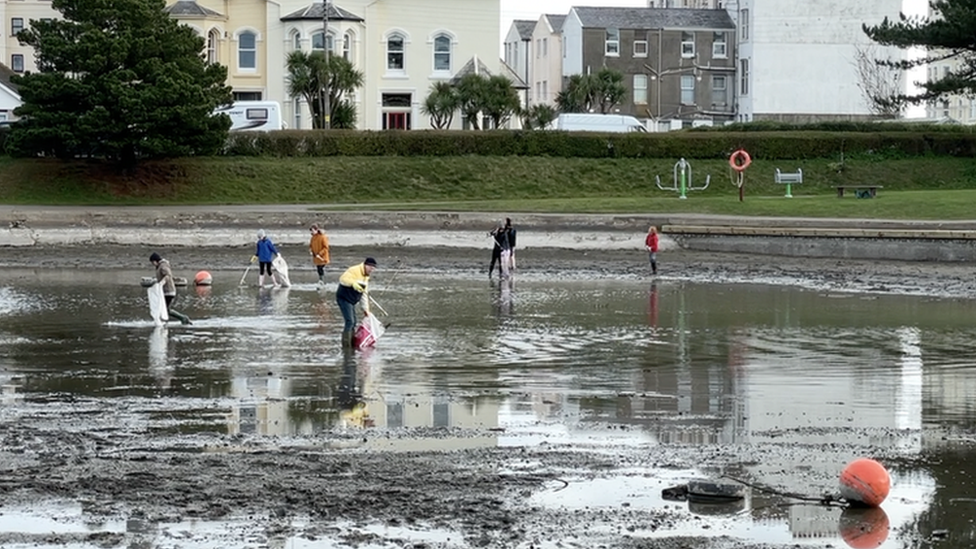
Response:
column 703, row 145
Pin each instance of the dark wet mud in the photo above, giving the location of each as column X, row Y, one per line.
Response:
column 138, row 481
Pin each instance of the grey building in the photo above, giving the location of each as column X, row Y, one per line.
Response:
column 678, row 63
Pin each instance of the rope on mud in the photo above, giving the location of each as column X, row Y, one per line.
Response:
column 827, row 500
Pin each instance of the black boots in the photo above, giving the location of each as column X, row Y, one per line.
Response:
column 347, row 339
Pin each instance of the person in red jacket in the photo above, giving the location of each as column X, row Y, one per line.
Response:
column 650, row 244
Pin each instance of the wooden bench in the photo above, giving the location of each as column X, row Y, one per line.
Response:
column 789, row 179
column 860, row 191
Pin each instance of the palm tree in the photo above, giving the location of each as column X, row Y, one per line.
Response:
column 609, row 89
column 577, row 96
column 501, row 100
column 441, row 104
column 472, row 90
column 307, row 74
column 538, row 117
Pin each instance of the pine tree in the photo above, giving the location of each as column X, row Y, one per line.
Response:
column 120, row 80
column 946, row 35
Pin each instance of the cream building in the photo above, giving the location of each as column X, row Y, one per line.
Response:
column 547, row 68
column 403, row 47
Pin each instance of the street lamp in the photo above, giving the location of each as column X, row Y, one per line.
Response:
column 326, row 100
column 658, row 75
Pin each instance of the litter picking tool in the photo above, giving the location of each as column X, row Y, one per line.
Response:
column 244, row 276
column 378, row 306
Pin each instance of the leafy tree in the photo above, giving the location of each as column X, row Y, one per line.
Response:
column 472, row 92
column 577, row 96
column 583, row 93
column 608, row 89
column 946, row 35
column 118, row 79
column 307, row 75
column 501, row 100
column 538, row 117
column 441, row 104
column 878, row 81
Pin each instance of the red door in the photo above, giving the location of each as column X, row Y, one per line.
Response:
column 396, row 121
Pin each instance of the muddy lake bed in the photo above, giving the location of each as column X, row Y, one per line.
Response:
column 549, row 410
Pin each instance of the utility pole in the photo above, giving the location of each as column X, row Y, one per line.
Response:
column 326, row 100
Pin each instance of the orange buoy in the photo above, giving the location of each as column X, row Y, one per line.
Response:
column 740, row 160
column 865, row 481
column 864, row 528
column 203, row 278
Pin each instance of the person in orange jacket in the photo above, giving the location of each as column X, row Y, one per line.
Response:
column 319, row 247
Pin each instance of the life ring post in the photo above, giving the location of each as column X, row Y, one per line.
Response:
column 739, row 161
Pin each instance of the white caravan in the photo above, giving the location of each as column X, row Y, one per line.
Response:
column 583, row 122
column 253, row 115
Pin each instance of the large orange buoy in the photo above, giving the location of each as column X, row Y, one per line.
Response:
column 864, row 528
column 203, row 278
column 865, row 481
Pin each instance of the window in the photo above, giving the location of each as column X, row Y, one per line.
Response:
column 394, row 52
column 687, row 44
column 613, row 42
column 545, row 90
column 246, row 96
column 296, row 42
column 744, row 77
column 298, row 114
column 347, row 47
column 16, row 25
column 640, row 48
column 442, row 53
column 317, row 42
column 720, row 91
column 640, row 89
column 538, row 91
column 538, row 47
column 720, row 48
column 247, row 51
column 545, row 47
column 743, row 25
column 17, row 62
column 213, row 37
column 687, row 89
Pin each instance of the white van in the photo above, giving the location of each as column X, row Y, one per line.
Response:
column 253, row 115
column 585, row 122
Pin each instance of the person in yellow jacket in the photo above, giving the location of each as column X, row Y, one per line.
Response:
column 319, row 247
column 353, row 285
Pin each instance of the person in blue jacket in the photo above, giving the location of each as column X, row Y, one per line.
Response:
column 265, row 254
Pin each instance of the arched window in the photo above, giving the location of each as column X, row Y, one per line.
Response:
column 317, row 42
column 347, row 46
column 247, row 50
column 213, row 38
column 296, row 41
column 395, row 45
column 442, row 53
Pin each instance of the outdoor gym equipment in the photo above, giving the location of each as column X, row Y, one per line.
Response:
column 682, row 180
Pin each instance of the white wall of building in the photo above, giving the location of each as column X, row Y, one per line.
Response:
column 545, row 80
column 801, row 55
column 572, row 44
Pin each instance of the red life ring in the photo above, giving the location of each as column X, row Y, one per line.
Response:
column 740, row 160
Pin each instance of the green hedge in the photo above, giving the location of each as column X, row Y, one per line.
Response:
column 775, row 145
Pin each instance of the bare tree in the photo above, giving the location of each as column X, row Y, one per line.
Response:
column 880, row 80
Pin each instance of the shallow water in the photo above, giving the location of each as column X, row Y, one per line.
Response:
column 515, row 363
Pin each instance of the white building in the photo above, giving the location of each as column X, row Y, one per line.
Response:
column 518, row 52
column 694, row 4
column 402, row 47
column 9, row 98
column 545, row 80
column 957, row 108
column 796, row 60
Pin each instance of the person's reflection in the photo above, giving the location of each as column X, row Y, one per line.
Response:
column 503, row 297
column 265, row 302
column 158, row 349
column 203, row 291
column 349, row 395
column 652, row 310
column 279, row 300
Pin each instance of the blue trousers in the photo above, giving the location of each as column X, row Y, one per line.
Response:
column 348, row 314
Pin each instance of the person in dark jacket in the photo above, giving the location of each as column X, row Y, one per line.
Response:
column 511, row 242
column 500, row 238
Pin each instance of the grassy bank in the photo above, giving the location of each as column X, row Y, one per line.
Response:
column 913, row 188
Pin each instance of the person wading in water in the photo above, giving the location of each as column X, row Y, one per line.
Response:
column 353, row 287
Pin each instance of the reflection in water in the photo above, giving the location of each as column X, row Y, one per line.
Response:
column 864, row 528
column 687, row 363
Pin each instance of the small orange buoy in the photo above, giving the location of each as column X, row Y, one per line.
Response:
column 203, row 278
column 865, row 481
column 864, row 528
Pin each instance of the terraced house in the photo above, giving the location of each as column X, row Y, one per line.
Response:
column 401, row 46
column 678, row 64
